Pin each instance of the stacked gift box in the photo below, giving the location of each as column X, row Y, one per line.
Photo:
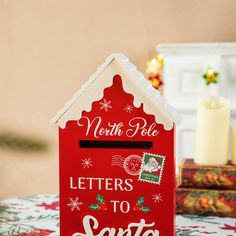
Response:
column 206, row 189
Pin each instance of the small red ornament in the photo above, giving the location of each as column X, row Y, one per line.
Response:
column 156, row 80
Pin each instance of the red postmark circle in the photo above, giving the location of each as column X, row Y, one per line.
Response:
column 132, row 164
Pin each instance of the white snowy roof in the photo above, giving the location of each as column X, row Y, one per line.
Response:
column 134, row 83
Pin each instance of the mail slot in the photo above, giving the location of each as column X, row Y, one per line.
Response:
column 116, row 150
column 115, row 144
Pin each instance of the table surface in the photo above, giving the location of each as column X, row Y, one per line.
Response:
column 39, row 215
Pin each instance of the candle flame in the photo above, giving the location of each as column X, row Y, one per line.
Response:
column 160, row 59
column 210, row 72
column 154, row 61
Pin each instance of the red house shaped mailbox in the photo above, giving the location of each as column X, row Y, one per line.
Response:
column 117, row 165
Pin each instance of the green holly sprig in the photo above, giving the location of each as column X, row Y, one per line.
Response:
column 18, row 142
column 140, row 207
column 100, row 204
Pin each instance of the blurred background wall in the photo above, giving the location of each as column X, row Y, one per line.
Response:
column 49, row 48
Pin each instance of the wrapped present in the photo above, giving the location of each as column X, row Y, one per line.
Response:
column 206, row 202
column 206, row 176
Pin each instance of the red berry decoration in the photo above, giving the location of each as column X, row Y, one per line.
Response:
column 137, row 207
column 103, row 206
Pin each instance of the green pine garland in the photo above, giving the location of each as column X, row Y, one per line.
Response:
column 21, row 143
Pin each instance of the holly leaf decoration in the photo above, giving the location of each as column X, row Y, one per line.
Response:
column 145, row 209
column 140, row 201
column 100, row 198
column 139, row 205
column 94, row 207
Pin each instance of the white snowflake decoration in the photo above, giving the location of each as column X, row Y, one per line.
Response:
column 87, row 162
column 74, row 204
column 106, row 105
column 129, row 108
column 157, row 198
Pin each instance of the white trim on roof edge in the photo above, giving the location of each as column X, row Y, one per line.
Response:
column 134, row 83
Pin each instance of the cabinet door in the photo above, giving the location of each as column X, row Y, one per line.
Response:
column 183, row 78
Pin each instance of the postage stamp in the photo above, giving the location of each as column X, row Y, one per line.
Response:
column 152, row 168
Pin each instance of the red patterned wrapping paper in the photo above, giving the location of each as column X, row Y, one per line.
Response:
column 206, row 202
column 201, row 176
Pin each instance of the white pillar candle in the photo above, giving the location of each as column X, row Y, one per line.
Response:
column 212, row 131
column 234, row 145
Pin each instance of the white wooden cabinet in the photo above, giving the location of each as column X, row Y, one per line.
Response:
column 184, row 66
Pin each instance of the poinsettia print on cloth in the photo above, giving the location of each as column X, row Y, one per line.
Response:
column 30, row 216
column 37, row 216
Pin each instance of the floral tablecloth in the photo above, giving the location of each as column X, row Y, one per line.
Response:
column 39, row 215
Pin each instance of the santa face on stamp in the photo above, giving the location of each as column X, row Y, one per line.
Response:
column 151, row 166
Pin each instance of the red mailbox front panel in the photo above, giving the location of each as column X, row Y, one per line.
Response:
column 117, row 173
